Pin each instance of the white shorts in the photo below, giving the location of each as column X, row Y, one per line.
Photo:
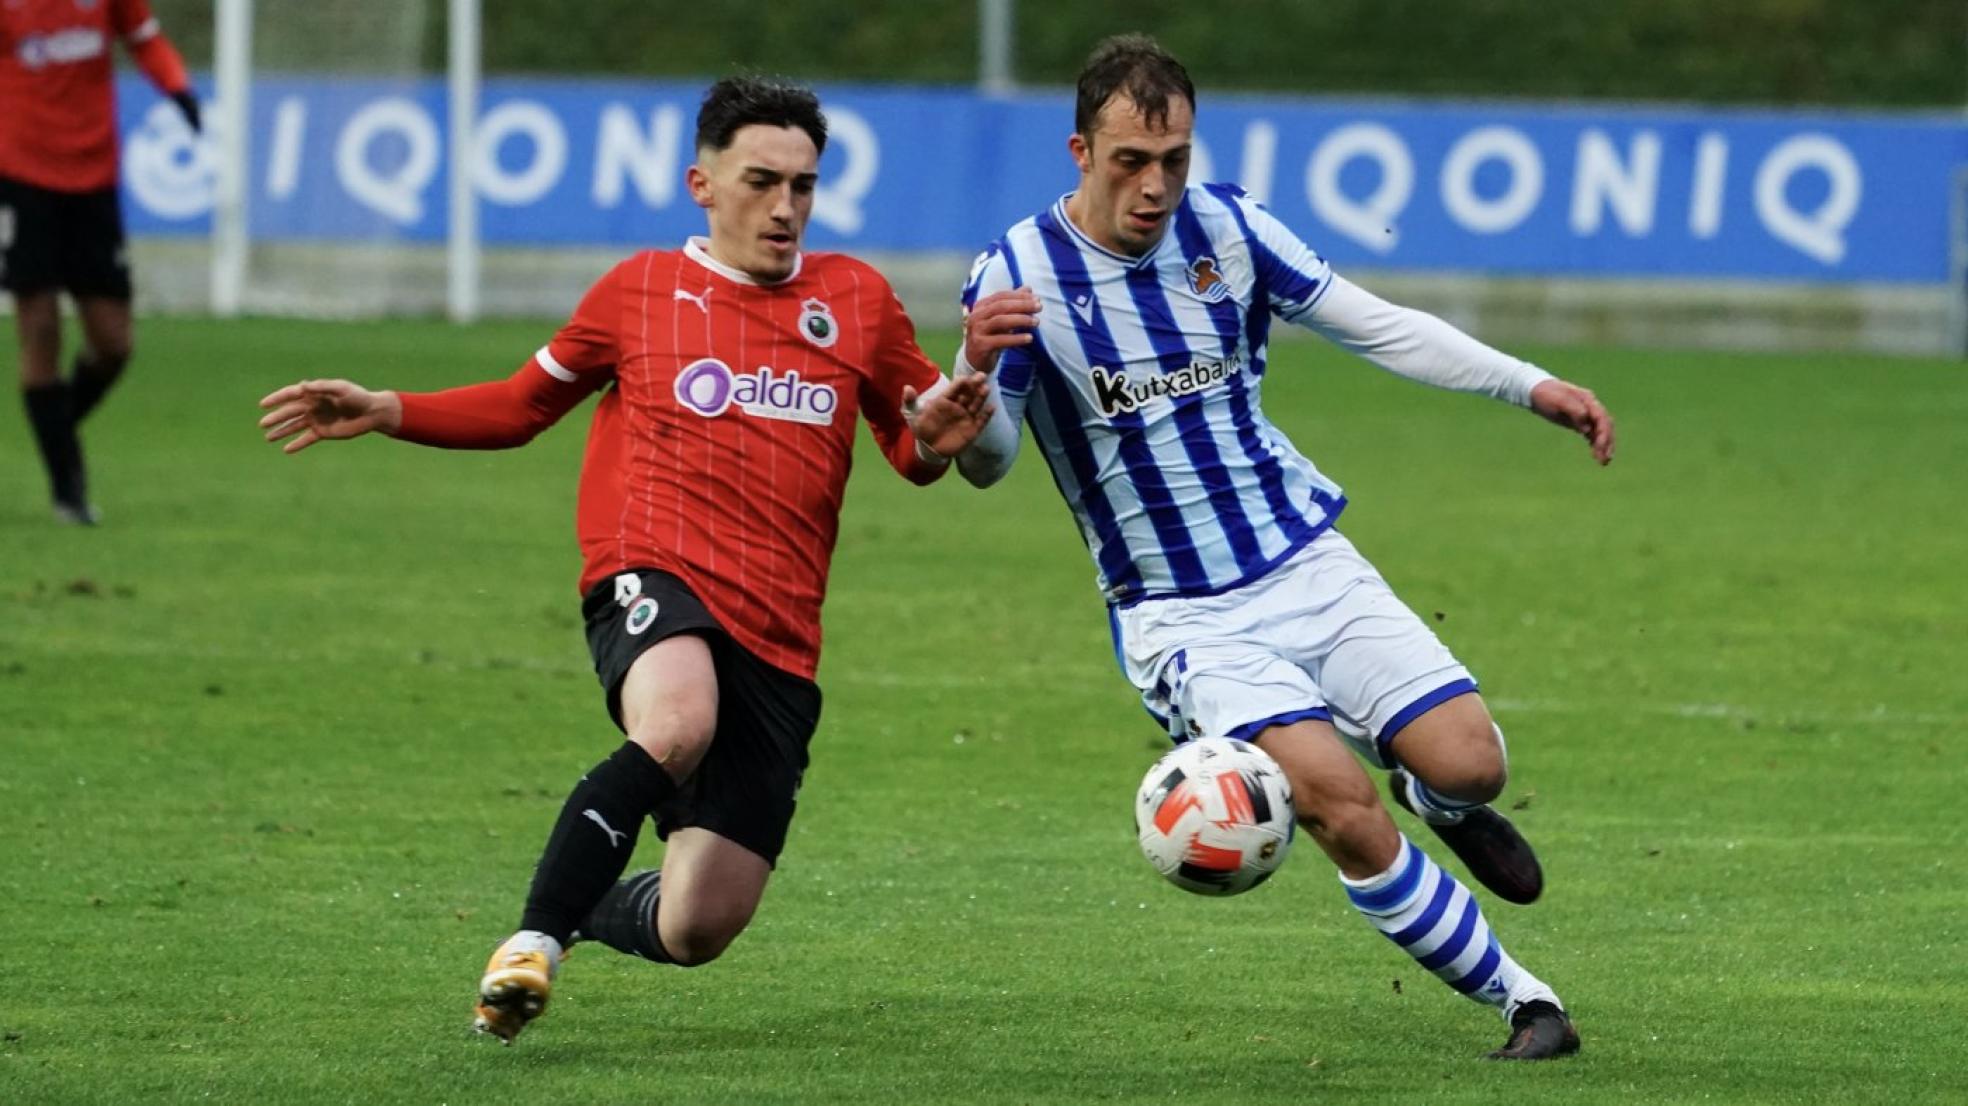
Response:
column 1321, row 636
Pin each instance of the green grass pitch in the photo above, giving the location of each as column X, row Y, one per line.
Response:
column 279, row 742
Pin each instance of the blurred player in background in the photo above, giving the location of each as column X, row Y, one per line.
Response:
column 1237, row 609
column 709, row 504
column 61, row 226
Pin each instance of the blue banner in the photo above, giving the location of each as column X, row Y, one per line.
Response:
column 1558, row 190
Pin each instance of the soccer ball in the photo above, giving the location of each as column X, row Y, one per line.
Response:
column 1215, row 816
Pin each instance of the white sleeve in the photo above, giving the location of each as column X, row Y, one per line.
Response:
column 1418, row 345
column 989, row 458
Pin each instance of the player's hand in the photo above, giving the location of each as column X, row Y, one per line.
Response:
column 949, row 421
column 314, row 410
column 998, row 322
column 188, row 104
column 1576, row 408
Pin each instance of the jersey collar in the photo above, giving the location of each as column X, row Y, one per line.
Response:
column 1081, row 239
column 698, row 248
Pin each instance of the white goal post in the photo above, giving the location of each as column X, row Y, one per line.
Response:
column 1958, row 263
column 462, row 245
column 362, row 40
column 232, row 61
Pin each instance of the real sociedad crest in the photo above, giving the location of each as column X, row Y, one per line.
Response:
column 817, row 323
column 1206, row 281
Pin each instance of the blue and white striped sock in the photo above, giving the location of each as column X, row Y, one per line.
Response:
column 1435, row 808
column 1421, row 907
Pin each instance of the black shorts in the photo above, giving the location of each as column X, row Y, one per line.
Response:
column 51, row 240
column 745, row 785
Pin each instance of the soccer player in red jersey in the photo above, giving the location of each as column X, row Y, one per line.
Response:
column 60, row 223
column 710, row 498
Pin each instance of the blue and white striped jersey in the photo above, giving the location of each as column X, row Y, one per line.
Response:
column 1142, row 391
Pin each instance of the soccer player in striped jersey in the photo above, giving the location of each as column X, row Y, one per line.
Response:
column 734, row 372
column 61, row 225
column 1237, row 609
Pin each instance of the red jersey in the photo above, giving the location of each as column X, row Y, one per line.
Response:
column 57, row 99
column 722, row 452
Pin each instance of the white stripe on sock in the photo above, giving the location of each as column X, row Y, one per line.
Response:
column 1429, row 914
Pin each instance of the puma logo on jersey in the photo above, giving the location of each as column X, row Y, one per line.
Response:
column 615, row 836
column 697, row 299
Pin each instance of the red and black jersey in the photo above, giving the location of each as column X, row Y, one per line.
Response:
column 722, row 453
column 57, row 97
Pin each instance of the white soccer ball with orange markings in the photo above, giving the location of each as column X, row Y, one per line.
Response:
column 1215, row 816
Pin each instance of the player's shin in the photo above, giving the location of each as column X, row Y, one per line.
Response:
column 593, row 839
column 91, row 379
column 1419, row 906
column 50, row 411
column 625, row 918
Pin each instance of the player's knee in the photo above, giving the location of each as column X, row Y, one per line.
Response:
column 677, row 732
column 680, row 722
column 108, row 361
column 697, row 943
column 1486, row 766
column 1465, row 762
column 39, row 372
column 1476, row 776
column 1484, row 782
column 37, row 315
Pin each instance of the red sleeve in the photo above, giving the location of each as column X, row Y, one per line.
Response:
column 499, row 414
column 152, row 52
column 898, row 362
column 587, row 344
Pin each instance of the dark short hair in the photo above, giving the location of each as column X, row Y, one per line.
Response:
column 1137, row 66
column 736, row 102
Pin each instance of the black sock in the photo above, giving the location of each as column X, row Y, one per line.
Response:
column 88, row 383
column 625, row 918
column 593, row 840
column 50, row 411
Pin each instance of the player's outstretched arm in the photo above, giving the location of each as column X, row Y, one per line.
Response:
column 995, row 323
column 947, row 419
column 330, row 410
column 1576, row 408
column 1423, row 348
column 158, row 58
